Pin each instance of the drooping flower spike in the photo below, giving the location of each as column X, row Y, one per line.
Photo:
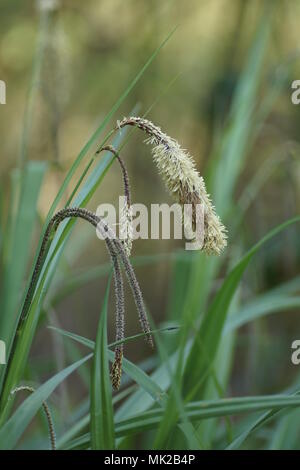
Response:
column 178, row 171
column 126, row 230
column 116, row 251
column 47, row 412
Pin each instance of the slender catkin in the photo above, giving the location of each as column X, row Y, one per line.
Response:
column 116, row 369
column 116, row 250
column 137, row 293
column 178, row 171
column 126, row 230
column 47, row 412
column 133, row 282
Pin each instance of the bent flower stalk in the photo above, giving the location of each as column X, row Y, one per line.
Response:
column 126, row 230
column 117, row 253
column 47, row 412
column 178, row 171
column 183, row 181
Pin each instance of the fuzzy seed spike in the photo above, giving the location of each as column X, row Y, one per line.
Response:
column 183, row 181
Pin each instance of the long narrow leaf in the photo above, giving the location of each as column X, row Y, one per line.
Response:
column 102, row 418
column 197, row 411
column 134, row 372
column 208, row 337
column 13, row 429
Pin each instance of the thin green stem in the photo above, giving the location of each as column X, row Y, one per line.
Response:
column 47, row 411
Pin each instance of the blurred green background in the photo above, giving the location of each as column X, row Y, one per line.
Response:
column 91, row 51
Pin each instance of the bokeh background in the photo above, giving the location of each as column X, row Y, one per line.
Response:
column 91, row 51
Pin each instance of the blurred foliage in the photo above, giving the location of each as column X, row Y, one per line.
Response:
column 238, row 123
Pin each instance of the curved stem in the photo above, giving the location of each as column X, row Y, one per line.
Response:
column 111, row 149
column 115, row 249
column 47, row 411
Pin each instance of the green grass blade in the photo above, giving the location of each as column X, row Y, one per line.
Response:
column 17, row 362
column 18, row 257
column 209, row 335
column 13, row 429
column 80, row 339
column 228, row 159
column 32, row 91
column 280, row 298
column 261, row 421
column 197, row 411
column 209, row 409
column 141, row 401
column 134, row 372
column 14, row 178
column 261, row 306
column 286, row 434
column 90, row 344
column 94, row 138
column 174, row 404
column 54, row 253
column 101, row 410
column 79, row 426
column 236, row 137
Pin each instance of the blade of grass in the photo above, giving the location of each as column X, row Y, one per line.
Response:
column 174, row 404
column 260, row 307
column 33, row 87
column 197, row 411
column 208, row 409
column 134, row 372
column 16, row 363
column 209, row 334
column 139, row 400
column 85, row 195
column 94, row 138
column 236, row 137
column 262, row 420
column 26, row 170
column 90, row 344
column 18, row 257
column 13, row 429
column 101, row 410
column 227, row 160
column 14, row 178
column 83, row 423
